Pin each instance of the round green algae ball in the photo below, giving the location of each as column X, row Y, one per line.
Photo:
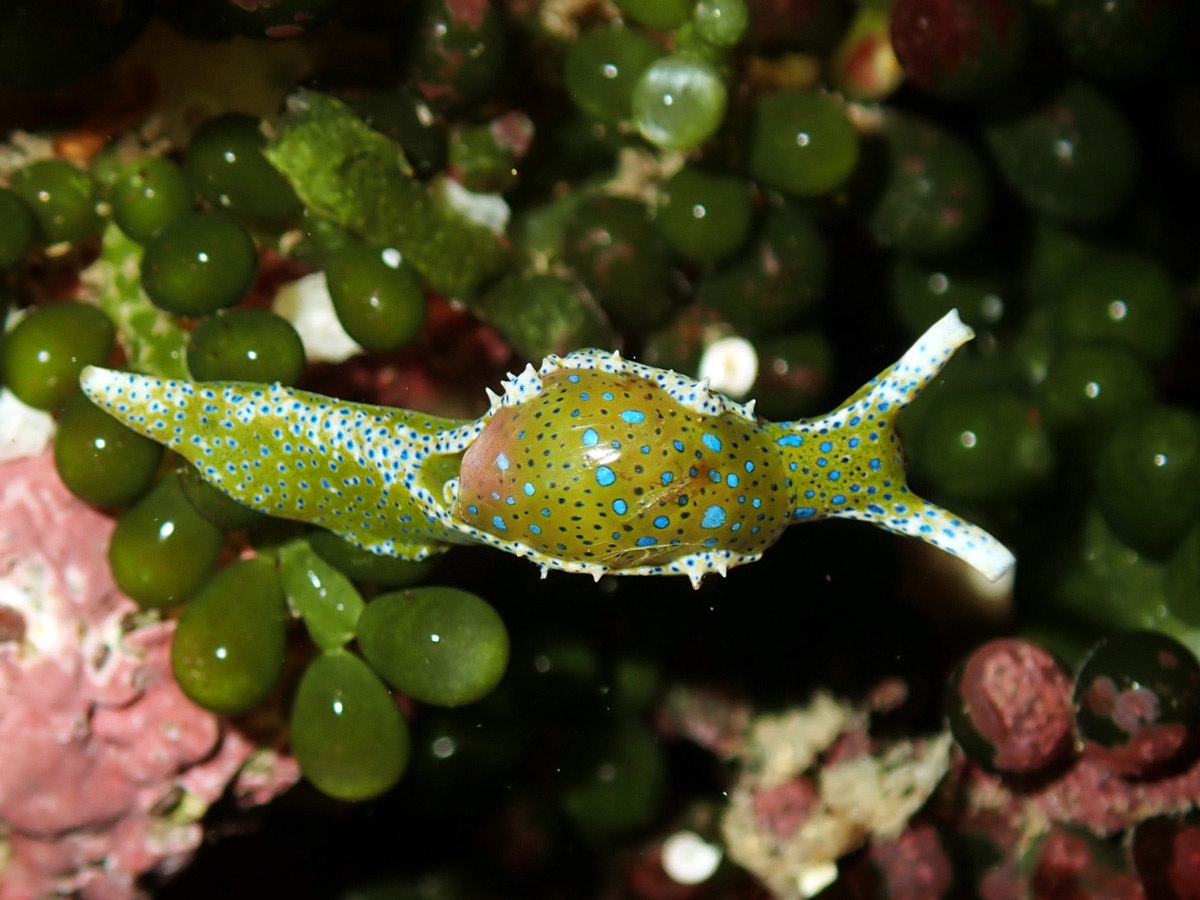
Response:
column 348, row 734
column 1125, row 297
column 42, row 356
column 197, row 264
column 937, row 194
column 246, row 344
column 18, row 229
column 162, row 550
column 455, row 53
column 231, row 642
column 622, row 258
column 146, row 195
column 803, row 143
column 226, row 168
column 984, row 445
column 776, row 281
column 722, row 23
column 1148, row 478
column 704, row 217
column 601, row 68
column 101, row 461
column 1089, row 389
column 616, row 784
column 438, row 645
column 377, row 295
column 62, row 198
column 1075, row 158
column 679, row 102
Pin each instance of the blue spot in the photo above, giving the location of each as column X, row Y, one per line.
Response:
column 822, row 461
column 756, row 502
column 633, row 417
column 528, row 489
column 501, row 462
column 791, row 440
column 834, row 476
column 876, row 463
column 714, row 517
column 590, row 437
column 854, row 421
column 826, row 446
column 749, row 466
column 646, row 542
column 574, row 414
column 536, row 529
column 616, row 535
column 714, row 476
column 678, row 445
column 711, row 542
column 473, row 510
column 877, row 509
column 854, row 442
column 645, row 448
column 662, row 522
column 884, row 406
column 619, row 507
column 545, row 513
column 736, row 526
column 731, row 479
column 574, row 379
column 839, row 499
column 584, row 396
column 667, row 478
column 925, row 529
column 606, row 395
column 712, row 442
column 499, row 523
column 805, row 512
column 605, row 476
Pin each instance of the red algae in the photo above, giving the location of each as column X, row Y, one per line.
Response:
column 1018, row 699
column 98, row 746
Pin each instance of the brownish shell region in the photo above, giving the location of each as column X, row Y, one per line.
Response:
column 606, row 468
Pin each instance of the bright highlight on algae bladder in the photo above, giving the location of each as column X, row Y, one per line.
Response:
column 590, row 463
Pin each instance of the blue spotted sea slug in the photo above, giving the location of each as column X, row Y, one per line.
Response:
column 590, row 463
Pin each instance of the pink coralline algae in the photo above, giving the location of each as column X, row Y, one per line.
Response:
column 105, row 766
column 1017, row 699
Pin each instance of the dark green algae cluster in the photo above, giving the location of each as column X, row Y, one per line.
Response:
column 649, row 176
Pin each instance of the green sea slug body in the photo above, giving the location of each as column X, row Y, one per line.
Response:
column 590, row 463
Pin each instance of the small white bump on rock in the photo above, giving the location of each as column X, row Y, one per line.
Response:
column 689, row 859
column 24, row 431
column 306, row 303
